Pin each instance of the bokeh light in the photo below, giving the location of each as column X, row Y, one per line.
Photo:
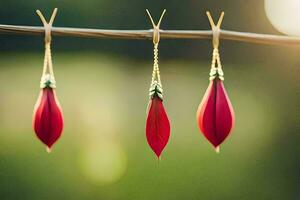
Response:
column 103, row 162
column 284, row 15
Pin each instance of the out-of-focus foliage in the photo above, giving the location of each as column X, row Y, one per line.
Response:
column 103, row 153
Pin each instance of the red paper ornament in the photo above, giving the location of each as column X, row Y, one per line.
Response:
column 157, row 126
column 215, row 114
column 48, row 119
column 47, row 114
column 157, row 123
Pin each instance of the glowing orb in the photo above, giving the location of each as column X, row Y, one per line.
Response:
column 284, row 15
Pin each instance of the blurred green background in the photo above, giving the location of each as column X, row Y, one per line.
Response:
column 103, row 85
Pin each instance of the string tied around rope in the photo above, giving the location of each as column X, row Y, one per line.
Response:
column 156, row 86
column 216, row 66
column 47, row 79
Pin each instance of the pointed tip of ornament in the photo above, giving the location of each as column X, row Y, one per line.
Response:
column 158, row 160
column 48, row 149
column 217, row 149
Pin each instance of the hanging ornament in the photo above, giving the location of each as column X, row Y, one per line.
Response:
column 47, row 114
column 215, row 114
column 157, row 124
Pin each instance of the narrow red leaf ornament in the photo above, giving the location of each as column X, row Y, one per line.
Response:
column 215, row 114
column 47, row 114
column 157, row 123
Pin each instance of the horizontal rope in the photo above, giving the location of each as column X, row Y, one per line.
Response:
column 147, row 34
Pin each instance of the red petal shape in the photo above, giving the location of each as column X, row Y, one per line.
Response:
column 215, row 114
column 157, row 126
column 47, row 117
